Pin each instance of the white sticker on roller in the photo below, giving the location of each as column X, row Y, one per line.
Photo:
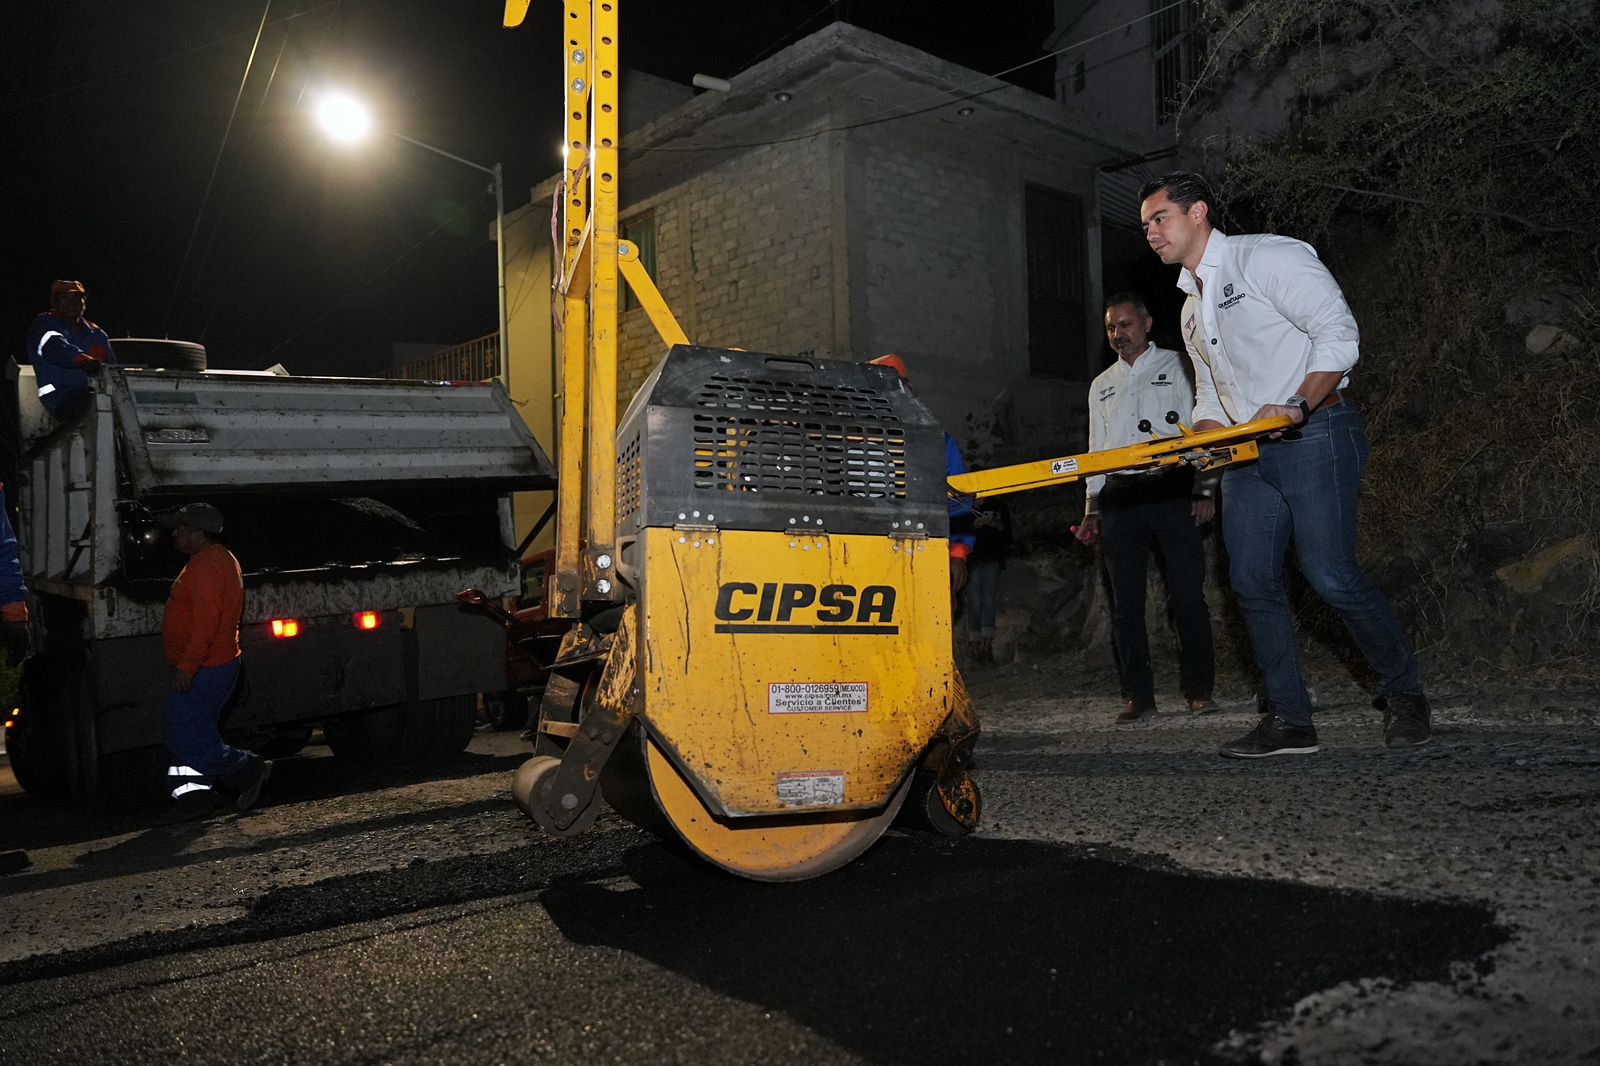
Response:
column 811, row 788
column 1064, row 466
column 827, row 697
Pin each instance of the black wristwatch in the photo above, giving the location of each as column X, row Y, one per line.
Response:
column 1299, row 401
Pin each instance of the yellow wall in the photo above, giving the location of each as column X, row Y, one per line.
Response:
column 531, row 347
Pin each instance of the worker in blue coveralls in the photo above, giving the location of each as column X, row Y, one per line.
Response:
column 963, row 533
column 66, row 349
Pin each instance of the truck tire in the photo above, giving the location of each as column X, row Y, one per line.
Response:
column 35, row 745
column 505, row 711
column 284, row 742
column 406, row 735
column 55, row 746
column 159, row 354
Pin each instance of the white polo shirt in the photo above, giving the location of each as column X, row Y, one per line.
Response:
column 1156, row 384
column 1269, row 315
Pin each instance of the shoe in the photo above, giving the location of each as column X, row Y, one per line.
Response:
column 192, row 805
column 251, row 791
column 1272, row 736
column 1133, row 710
column 1407, row 720
column 1204, row 705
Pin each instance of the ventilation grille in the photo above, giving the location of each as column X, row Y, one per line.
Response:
column 628, row 480
column 754, row 435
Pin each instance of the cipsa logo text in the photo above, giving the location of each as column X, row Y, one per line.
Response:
column 797, row 607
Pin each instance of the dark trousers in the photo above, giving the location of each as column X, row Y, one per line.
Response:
column 1137, row 514
column 1304, row 491
column 193, row 735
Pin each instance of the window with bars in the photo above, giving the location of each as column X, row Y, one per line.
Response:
column 1172, row 46
column 1057, row 261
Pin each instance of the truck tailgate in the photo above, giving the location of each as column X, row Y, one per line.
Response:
column 187, row 433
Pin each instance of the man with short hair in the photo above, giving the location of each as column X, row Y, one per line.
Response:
column 201, row 633
column 1145, row 394
column 1271, row 335
column 65, row 349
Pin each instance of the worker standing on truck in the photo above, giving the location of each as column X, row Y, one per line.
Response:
column 201, row 632
column 65, row 349
column 13, row 591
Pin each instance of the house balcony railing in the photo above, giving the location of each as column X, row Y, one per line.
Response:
column 475, row 360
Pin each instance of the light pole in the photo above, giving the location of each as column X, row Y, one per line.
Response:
column 346, row 119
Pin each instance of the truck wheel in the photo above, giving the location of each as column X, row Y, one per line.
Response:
column 35, row 744
column 505, row 710
column 284, row 742
column 410, row 734
column 55, row 745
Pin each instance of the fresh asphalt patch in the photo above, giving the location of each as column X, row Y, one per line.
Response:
column 925, row 950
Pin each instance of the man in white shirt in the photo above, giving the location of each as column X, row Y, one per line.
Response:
column 1145, row 394
column 1270, row 335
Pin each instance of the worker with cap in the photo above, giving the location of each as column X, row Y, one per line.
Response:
column 65, row 349
column 963, row 533
column 201, row 631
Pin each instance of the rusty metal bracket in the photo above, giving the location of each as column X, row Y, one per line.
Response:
column 570, row 795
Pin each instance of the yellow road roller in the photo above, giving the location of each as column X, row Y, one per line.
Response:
column 755, row 562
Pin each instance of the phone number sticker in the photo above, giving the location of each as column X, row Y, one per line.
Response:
column 830, row 697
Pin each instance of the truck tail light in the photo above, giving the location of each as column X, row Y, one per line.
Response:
column 368, row 619
column 285, row 627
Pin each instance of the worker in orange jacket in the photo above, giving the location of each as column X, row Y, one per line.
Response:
column 201, row 631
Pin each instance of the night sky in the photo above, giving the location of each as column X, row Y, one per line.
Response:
column 317, row 255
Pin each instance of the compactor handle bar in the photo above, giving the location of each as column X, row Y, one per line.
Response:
column 1204, row 450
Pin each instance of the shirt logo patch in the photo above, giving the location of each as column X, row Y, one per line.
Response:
column 1188, row 324
column 1227, row 290
column 1107, row 392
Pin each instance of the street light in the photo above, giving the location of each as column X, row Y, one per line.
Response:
column 346, row 119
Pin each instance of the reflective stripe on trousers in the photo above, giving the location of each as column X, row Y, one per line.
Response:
column 186, row 779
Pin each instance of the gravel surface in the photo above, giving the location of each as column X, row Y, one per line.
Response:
column 1130, row 897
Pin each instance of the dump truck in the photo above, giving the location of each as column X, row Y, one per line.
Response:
column 358, row 508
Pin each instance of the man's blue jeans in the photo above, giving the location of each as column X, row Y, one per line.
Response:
column 191, row 726
column 1304, row 491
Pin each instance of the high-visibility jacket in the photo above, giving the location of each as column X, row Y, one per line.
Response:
column 201, row 624
column 962, row 516
column 59, row 350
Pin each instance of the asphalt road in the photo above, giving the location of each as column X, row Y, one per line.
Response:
column 1130, row 898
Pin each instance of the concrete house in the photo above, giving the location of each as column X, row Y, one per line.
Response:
column 1128, row 65
column 853, row 196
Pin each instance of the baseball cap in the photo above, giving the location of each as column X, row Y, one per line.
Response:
column 201, row 516
column 59, row 287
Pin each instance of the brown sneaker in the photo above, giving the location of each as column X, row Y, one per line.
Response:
column 1133, row 710
column 1204, row 705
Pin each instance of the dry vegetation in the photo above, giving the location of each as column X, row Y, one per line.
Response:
column 1446, row 162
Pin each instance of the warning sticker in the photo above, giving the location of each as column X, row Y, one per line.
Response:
column 826, row 697
column 1064, row 466
column 810, row 788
